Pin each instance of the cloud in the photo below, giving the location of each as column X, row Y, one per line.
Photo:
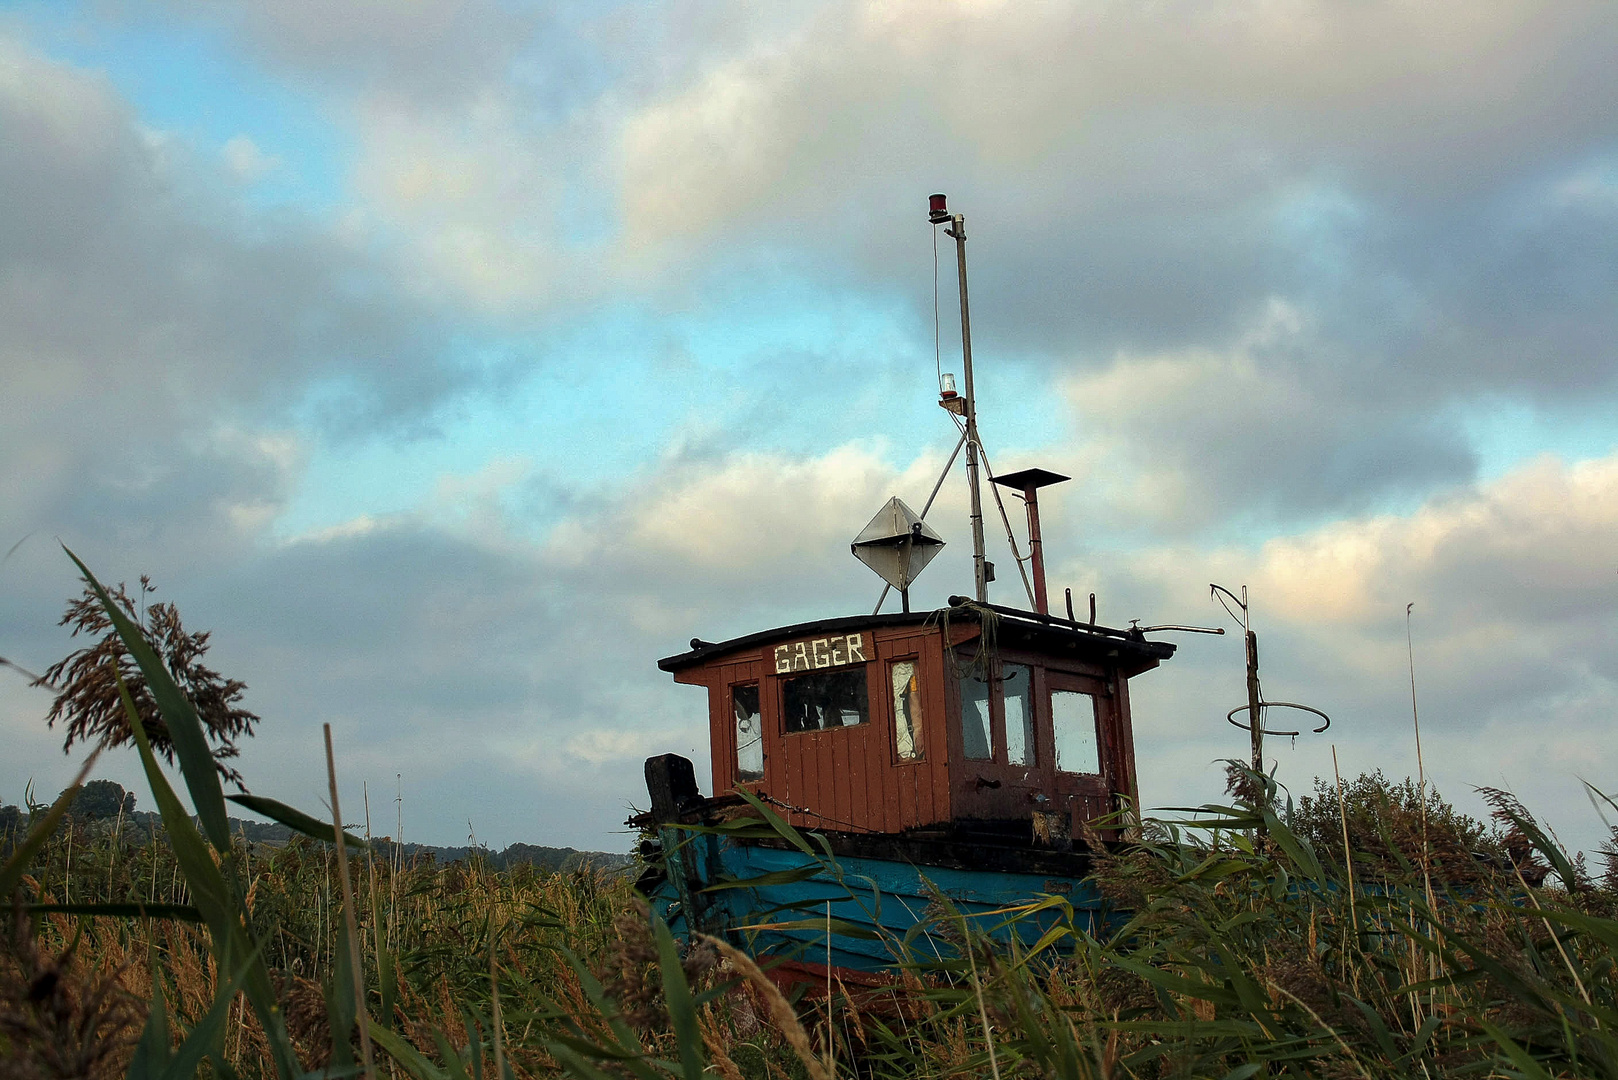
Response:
column 162, row 343
column 1138, row 179
column 535, row 659
column 426, row 49
column 1149, row 190
column 716, row 547
column 249, row 163
column 1275, row 426
column 1147, row 178
column 1539, row 545
column 461, row 119
column 1515, row 592
column 170, row 360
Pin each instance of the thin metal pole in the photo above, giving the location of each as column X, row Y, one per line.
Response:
column 948, row 465
column 1255, row 720
column 979, row 568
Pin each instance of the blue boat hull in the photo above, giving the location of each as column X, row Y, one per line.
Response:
column 855, row 913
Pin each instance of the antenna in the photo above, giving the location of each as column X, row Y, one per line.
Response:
column 938, row 213
column 1255, row 697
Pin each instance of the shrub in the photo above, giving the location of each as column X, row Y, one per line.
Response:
column 1386, row 833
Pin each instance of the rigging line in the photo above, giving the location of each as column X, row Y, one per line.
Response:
column 994, row 489
column 938, row 358
column 948, row 465
column 1011, row 538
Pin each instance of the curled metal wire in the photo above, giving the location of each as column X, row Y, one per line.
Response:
column 1231, row 717
column 1215, row 590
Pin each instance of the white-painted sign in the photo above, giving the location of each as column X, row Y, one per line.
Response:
column 823, row 652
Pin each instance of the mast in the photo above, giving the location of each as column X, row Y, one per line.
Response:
column 982, row 572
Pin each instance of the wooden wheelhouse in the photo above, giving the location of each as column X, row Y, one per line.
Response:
column 968, row 722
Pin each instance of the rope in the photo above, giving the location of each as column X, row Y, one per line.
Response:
column 981, row 665
column 778, row 804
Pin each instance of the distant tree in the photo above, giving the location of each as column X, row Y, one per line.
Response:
column 87, row 698
column 102, row 799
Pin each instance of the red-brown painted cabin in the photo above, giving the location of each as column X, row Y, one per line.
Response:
column 968, row 720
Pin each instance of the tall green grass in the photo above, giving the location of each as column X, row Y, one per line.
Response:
column 1251, row 948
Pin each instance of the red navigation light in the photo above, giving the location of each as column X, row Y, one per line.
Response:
column 937, row 213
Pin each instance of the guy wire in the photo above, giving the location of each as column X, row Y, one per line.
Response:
column 1011, row 537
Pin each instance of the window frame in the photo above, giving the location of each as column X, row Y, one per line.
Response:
column 1103, row 706
column 918, row 723
column 999, row 743
column 735, row 743
column 1097, row 736
column 1031, row 733
column 781, row 680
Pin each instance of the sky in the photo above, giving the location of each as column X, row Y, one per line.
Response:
column 454, row 360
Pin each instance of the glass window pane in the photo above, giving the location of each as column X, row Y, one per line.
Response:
column 826, row 699
column 749, row 732
column 1017, row 686
column 1074, row 716
column 975, row 719
column 906, row 710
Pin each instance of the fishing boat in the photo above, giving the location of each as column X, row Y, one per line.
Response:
column 873, row 770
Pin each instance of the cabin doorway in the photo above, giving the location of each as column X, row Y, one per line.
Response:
column 1003, row 766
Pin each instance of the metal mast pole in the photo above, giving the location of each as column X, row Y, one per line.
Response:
column 1254, row 704
column 980, row 573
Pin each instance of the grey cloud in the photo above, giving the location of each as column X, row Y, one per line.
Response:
column 509, row 689
column 158, row 344
column 434, row 51
column 1514, row 590
column 1277, row 426
column 1147, row 179
column 148, row 336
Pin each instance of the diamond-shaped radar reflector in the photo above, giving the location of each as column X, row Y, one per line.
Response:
column 897, row 544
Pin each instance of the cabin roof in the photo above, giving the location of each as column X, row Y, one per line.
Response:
column 1039, row 633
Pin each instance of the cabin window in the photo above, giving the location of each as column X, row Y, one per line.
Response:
column 826, row 699
column 975, row 742
column 1073, row 716
column 906, row 709
column 749, row 732
column 1017, row 693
